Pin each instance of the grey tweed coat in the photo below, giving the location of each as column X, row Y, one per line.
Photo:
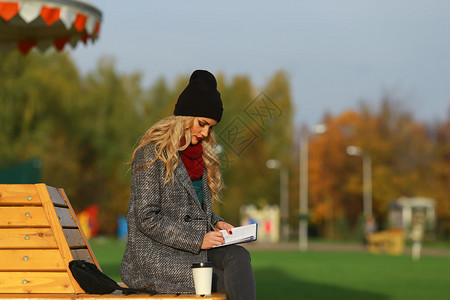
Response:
column 166, row 226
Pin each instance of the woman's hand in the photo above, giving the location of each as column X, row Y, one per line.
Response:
column 211, row 239
column 224, row 226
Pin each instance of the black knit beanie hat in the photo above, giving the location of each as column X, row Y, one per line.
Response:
column 200, row 98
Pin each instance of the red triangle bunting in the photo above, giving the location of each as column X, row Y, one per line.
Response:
column 50, row 15
column 8, row 10
column 97, row 28
column 84, row 38
column 60, row 43
column 80, row 21
column 25, row 46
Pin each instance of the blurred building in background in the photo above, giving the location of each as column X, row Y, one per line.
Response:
column 267, row 218
column 416, row 216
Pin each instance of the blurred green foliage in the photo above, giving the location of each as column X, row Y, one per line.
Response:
column 84, row 129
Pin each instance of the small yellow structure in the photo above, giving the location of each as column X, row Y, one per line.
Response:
column 389, row 241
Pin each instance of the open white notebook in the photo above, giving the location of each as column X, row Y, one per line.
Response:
column 241, row 234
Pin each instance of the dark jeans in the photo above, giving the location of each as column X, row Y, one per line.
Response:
column 233, row 274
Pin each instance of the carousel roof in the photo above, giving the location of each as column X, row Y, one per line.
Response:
column 44, row 24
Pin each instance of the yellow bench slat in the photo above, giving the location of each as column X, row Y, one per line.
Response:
column 16, row 238
column 35, row 282
column 31, row 260
column 19, row 194
column 23, row 216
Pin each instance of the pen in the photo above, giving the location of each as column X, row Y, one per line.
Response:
column 209, row 222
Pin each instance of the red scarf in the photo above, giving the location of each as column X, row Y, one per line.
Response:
column 193, row 160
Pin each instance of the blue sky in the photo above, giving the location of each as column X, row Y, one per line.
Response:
column 336, row 53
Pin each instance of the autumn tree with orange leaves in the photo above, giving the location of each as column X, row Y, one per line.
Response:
column 405, row 162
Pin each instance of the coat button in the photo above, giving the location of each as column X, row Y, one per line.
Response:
column 187, row 218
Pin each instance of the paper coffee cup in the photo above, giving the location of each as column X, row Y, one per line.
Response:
column 202, row 273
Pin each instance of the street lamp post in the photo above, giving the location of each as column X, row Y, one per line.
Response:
column 303, row 199
column 284, row 195
column 367, row 178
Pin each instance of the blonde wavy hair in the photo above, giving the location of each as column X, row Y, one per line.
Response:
column 167, row 135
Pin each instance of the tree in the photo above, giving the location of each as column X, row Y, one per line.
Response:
column 256, row 126
column 440, row 175
column 401, row 163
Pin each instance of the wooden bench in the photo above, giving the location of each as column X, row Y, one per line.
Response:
column 215, row 296
column 39, row 236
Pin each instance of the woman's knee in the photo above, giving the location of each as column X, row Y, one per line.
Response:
column 239, row 253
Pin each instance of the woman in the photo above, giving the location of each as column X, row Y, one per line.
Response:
column 175, row 176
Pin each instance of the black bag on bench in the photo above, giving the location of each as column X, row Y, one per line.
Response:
column 93, row 281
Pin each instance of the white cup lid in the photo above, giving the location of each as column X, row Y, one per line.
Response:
column 207, row 264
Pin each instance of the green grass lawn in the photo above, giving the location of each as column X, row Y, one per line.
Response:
column 327, row 275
